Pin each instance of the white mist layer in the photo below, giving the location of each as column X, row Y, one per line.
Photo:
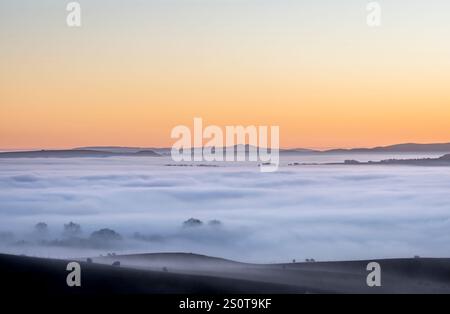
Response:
column 321, row 212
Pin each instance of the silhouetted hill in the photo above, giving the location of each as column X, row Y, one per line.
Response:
column 197, row 274
column 445, row 157
column 109, row 151
column 122, row 149
column 40, row 276
column 399, row 148
column 77, row 153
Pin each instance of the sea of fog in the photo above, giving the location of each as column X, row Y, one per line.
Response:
column 323, row 212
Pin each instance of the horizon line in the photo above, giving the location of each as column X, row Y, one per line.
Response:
column 168, row 147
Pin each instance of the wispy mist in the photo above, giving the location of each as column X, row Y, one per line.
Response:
column 323, row 212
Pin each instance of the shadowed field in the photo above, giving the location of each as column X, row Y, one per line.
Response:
column 168, row 273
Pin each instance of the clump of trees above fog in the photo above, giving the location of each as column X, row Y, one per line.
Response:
column 72, row 229
column 105, row 235
column 194, row 222
column 72, row 235
column 41, row 228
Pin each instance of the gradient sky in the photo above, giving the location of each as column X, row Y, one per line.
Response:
column 135, row 69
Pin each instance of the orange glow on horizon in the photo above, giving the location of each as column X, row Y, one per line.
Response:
column 127, row 81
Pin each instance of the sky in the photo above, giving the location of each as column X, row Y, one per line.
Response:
column 135, row 69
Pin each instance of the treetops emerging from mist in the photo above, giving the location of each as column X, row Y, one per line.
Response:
column 72, row 235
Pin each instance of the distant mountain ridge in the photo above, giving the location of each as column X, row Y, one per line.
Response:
column 397, row 148
column 111, row 151
column 74, row 153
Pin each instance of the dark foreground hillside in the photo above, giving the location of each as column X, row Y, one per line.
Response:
column 180, row 273
column 27, row 275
